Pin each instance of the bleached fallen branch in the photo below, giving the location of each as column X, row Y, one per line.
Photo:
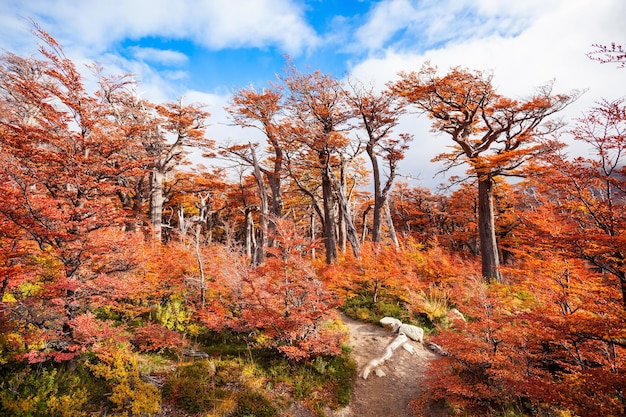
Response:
column 405, row 332
column 194, row 353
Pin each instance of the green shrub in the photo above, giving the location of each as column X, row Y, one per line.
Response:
column 197, row 387
column 32, row 391
column 254, row 404
column 360, row 307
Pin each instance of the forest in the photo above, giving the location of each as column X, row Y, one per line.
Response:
column 135, row 279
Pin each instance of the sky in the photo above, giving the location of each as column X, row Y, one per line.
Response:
column 205, row 50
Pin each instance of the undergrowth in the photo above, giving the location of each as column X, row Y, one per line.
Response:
column 236, row 379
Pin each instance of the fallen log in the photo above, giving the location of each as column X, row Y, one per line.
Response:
column 405, row 332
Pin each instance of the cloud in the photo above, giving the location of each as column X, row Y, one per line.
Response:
column 385, row 20
column 552, row 44
column 160, row 56
column 213, row 24
column 418, row 25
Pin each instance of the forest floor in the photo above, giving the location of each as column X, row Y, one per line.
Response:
column 381, row 396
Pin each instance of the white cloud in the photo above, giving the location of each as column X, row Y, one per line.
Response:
column 385, row 19
column 423, row 24
column 211, row 23
column 255, row 23
column 552, row 46
column 166, row 57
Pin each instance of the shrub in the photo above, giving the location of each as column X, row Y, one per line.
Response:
column 41, row 391
column 129, row 393
column 197, row 387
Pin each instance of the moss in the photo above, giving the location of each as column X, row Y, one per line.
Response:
column 254, row 404
column 360, row 307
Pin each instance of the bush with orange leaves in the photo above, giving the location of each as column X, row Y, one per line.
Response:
column 280, row 304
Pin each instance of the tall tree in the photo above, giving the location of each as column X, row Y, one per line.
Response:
column 182, row 126
column 378, row 115
column 61, row 157
column 137, row 119
column 262, row 111
column 317, row 103
column 493, row 134
column 593, row 191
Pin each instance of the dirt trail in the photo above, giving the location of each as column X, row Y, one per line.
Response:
column 387, row 396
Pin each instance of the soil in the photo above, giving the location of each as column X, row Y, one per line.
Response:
column 380, row 396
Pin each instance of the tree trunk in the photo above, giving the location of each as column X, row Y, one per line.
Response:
column 347, row 229
column 487, row 230
column 392, row 229
column 258, row 256
column 312, row 232
column 364, row 221
column 156, row 203
column 378, row 197
column 342, row 231
column 250, row 240
column 351, row 232
column 330, row 240
column 274, row 180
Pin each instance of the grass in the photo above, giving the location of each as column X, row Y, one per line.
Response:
column 360, row 307
column 240, row 379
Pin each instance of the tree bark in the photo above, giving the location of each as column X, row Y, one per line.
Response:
column 351, row 232
column 392, row 229
column 258, row 256
column 378, row 197
column 347, row 229
column 330, row 239
column 487, row 230
column 312, row 232
column 156, row 203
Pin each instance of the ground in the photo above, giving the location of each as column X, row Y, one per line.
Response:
column 387, row 396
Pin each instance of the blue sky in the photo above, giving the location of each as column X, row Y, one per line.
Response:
column 207, row 49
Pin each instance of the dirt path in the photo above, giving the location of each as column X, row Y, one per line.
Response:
column 387, row 396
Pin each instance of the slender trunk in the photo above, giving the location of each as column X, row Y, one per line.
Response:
column 312, row 233
column 364, row 221
column 392, row 229
column 378, row 197
column 276, row 205
column 156, row 203
column 342, row 232
column 259, row 251
column 250, row 240
column 351, row 232
column 347, row 228
column 487, row 231
column 330, row 240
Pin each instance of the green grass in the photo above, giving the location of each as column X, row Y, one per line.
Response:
column 237, row 372
column 360, row 307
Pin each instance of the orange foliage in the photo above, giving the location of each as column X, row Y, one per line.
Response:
column 281, row 301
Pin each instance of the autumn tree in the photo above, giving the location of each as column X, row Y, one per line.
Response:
column 593, row 191
column 378, row 114
column 319, row 111
column 418, row 212
column 282, row 303
column 262, row 111
column 137, row 119
column 493, row 134
column 182, row 126
column 61, row 159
